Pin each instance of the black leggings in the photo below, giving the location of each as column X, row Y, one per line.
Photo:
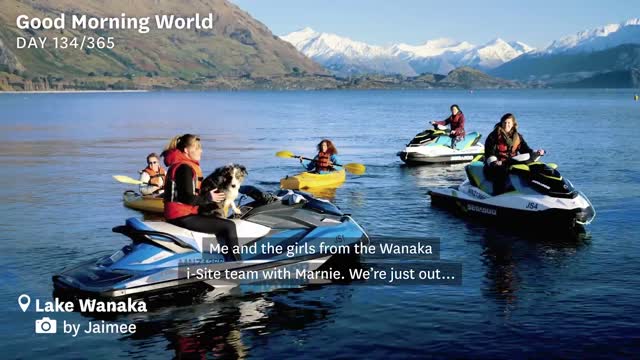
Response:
column 498, row 174
column 223, row 229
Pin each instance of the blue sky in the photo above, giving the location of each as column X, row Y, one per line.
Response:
column 412, row 21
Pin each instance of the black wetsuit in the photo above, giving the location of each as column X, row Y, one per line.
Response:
column 223, row 228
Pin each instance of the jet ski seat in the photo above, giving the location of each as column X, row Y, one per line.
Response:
column 469, row 140
column 247, row 232
column 477, row 177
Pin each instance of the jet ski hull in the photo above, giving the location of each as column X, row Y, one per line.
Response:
column 413, row 156
column 514, row 210
column 437, row 150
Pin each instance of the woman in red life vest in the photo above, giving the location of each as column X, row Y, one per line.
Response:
column 503, row 143
column 456, row 121
column 182, row 195
column 152, row 176
column 324, row 161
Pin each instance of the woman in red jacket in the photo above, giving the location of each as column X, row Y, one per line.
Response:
column 456, row 121
column 182, row 195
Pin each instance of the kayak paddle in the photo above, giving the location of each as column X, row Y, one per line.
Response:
column 353, row 168
column 127, row 180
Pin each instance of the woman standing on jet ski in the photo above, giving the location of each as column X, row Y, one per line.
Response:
column 456, row 120
column 182, row 191
column 503, row 143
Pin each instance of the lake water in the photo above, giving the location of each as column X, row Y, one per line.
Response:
column 522, row 295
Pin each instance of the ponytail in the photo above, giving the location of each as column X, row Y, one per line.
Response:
column 172, row 144
column 181, row 142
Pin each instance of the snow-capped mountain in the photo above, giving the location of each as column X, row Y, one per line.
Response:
column 605, row 56
column 600, row 38
column 345, row 56
column 494, row 54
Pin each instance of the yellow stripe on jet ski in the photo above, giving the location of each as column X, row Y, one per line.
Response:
column 552, row 177
column 519, row 167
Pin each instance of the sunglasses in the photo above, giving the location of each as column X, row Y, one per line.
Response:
column 152, row 162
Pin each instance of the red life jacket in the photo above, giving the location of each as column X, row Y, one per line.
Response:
column 323, row 163
column 156, row 178
column 172, row 208
column 503, row 148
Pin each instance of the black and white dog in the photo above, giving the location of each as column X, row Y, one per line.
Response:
column 226, row 179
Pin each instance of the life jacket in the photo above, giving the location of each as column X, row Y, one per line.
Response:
column 503, row 148
column 323, row 163
column 172, row 208
column 156, row 178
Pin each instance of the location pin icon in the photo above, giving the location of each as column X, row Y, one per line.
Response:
column 24, row 300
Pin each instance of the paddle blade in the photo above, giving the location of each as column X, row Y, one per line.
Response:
column 285, row 154
column 127, row 180
column 355, row 168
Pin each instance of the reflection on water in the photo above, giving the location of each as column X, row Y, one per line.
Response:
column 508, row 254
column 232, row 326
column 58, row 203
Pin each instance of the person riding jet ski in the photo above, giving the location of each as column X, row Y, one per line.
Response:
column 456, row 121
column 439, row 145
column 182, row 191
column 502, row 144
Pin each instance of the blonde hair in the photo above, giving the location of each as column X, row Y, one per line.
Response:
column 181, row 142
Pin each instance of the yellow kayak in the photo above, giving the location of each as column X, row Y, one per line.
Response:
column 307, row 180
column 136, row 201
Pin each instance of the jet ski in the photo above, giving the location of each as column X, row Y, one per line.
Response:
column 536, row 193
column 155, row 262
column 434, row 146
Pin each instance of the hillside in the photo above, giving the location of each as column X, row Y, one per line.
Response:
column 238, row 45
column 612, row 80
column 569, row 67
column 469, row 78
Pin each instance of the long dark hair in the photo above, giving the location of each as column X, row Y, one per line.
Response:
column 504, row 118
column 331, row 149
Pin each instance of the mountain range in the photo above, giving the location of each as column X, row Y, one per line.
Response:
column 239, row 52
column 345, row 57
column 575, row 58
column 603, row 56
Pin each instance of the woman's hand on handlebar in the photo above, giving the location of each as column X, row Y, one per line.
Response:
column 541, row 152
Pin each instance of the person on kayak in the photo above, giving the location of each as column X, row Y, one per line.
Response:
column 503, row 143
column 152, row 177
column 324, row 161
column 182, row 195
column 456, row 121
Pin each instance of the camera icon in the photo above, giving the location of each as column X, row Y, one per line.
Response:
column 46, row 326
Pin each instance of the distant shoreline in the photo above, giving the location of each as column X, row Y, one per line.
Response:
column 68, row 91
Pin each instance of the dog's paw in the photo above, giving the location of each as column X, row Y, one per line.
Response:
column 237, row 211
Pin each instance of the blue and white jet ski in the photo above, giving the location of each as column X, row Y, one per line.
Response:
column 536, row 194
column 434, row 146
column 155, row 262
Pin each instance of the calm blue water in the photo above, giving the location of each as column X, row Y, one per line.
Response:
column 522, row 295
